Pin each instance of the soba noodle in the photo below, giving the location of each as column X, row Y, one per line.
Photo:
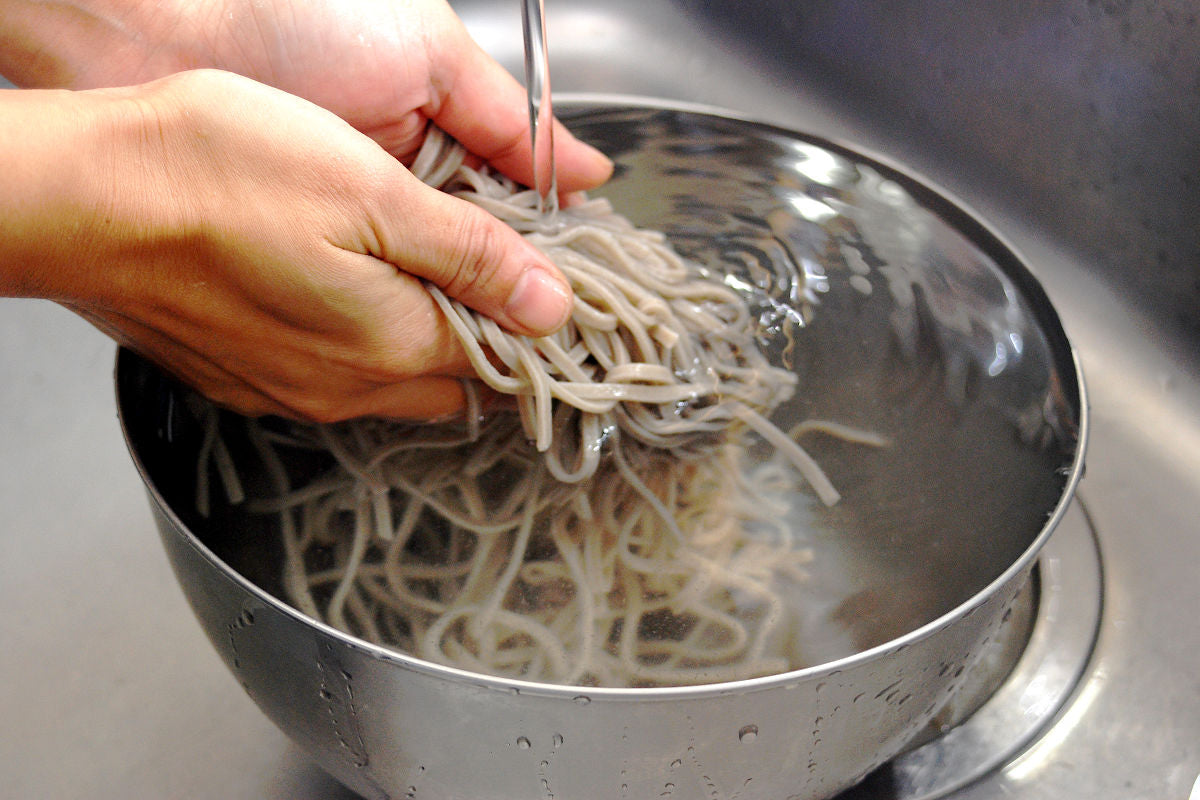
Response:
column 616, row 529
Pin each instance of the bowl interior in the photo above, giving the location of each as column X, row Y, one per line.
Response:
column 910, row 319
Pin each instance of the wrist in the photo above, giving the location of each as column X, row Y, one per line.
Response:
column 41, row 202
column 77, row 191
column 93, row 43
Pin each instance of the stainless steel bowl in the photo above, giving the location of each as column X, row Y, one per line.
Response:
column 920, row 323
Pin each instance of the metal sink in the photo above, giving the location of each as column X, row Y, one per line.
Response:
column 1071, row 127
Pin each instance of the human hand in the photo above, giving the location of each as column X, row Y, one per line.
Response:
column 385, row 66
column 397, row 67
column 275, row 267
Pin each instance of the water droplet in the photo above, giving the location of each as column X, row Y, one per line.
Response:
column 677, row 763
column 582, row 700
column 557, row 741
column 523, row 743
column 247, row 618
column 326, row 694
column 748, row 733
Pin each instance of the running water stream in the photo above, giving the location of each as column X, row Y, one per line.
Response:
column 541, row 110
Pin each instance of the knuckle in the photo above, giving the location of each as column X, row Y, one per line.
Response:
column 307, row 400
column 478, row 259
column 321, row 409
column 242, row 400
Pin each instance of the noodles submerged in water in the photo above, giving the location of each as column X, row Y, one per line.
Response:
column 615, row 530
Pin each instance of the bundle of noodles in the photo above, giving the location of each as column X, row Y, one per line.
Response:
column 615, row 531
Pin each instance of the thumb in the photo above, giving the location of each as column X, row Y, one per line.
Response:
column 474, row 258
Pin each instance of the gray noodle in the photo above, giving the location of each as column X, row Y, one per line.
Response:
column 616, row 529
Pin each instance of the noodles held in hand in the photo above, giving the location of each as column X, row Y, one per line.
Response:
column 616, row 529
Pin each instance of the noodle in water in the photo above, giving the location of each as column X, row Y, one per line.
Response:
column 615, row 530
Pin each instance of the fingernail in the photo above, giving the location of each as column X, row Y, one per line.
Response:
column 601, row 167
column 540, row 302
column 603, row 162
column 594, row 167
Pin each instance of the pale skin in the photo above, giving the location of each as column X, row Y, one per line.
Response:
column 257, row 233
